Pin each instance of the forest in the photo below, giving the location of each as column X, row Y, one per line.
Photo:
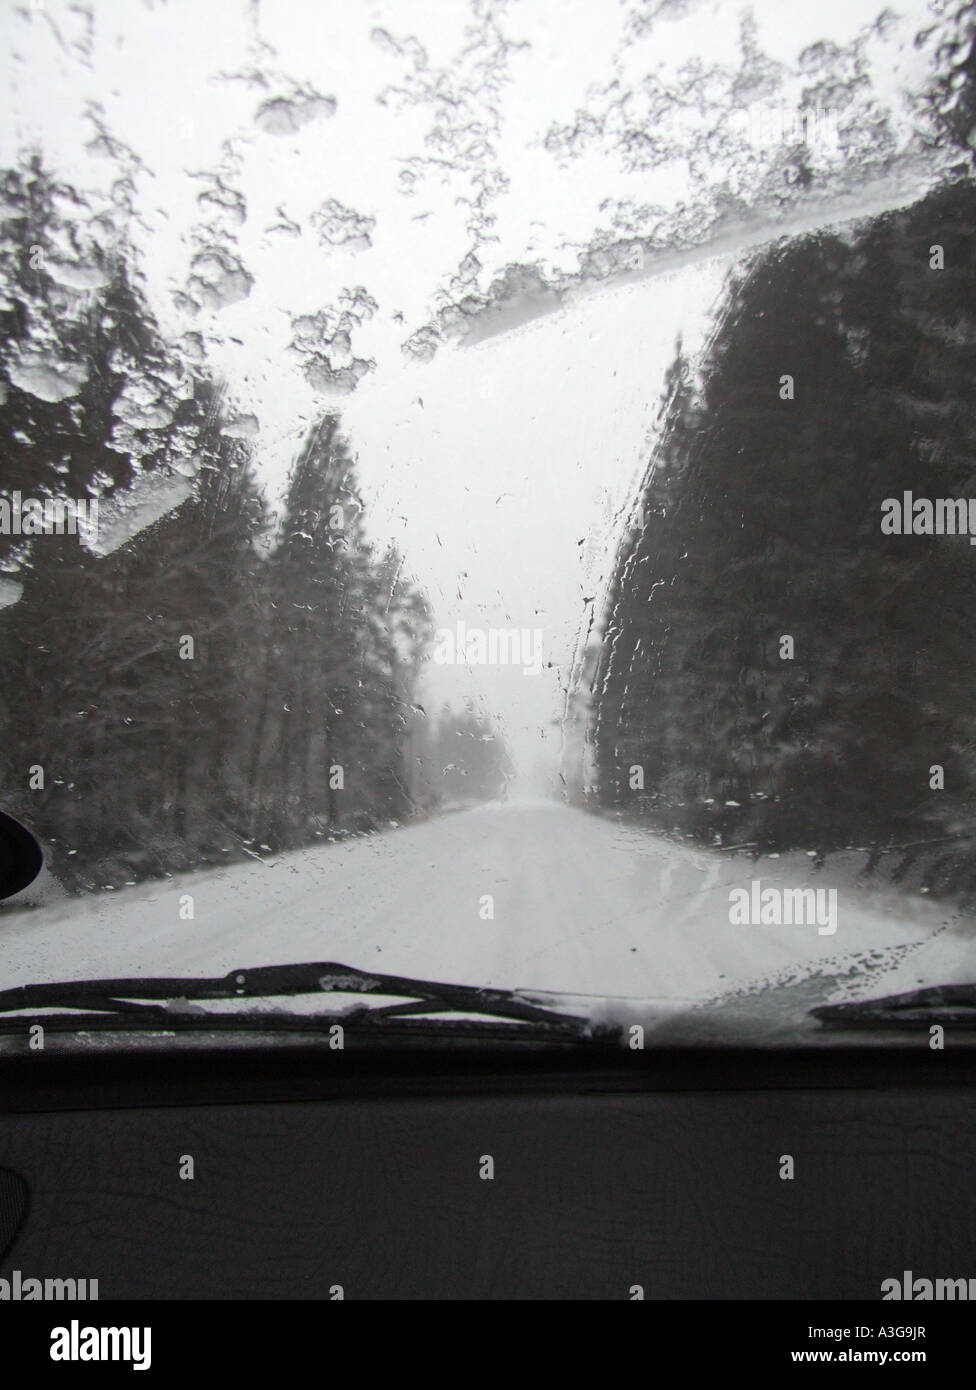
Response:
column 777, row 669
column 204, row 681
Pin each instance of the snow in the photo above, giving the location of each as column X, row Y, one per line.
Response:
column 46, row 379
column 10, row 592
column 581, row 905
column 218, row 279
column 283, row 116
column 123, row 516
column 76, row 275
column 242, row 427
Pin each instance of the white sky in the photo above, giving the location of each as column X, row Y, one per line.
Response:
column 529, row 441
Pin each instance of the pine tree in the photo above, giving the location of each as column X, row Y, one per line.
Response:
column 762, row 524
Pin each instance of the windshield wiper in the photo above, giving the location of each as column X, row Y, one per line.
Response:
column 918, row 1008
column 144, row 1002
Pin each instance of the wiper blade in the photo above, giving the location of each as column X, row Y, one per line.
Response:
column 918, row 1008
column 146, row 999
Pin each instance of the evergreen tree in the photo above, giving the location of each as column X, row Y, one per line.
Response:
column 762, row 512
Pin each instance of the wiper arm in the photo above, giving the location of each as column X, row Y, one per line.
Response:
column 130, row 997
column 918, row 1008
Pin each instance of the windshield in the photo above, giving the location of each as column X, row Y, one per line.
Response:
column 484, row 498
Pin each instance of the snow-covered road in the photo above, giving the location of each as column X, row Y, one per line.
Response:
column 581, row 905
